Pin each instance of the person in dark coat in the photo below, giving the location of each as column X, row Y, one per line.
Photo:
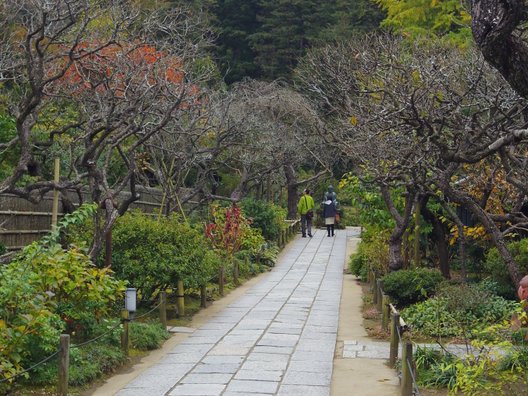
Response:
column 329, row 213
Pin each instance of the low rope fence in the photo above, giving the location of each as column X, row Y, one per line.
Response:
column 63, row 352
column 65, row 346
column 390, row 317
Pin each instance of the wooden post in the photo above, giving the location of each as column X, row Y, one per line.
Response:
column 394, row 339
column 406, row 363
column 180, row 299
column 55, row 204
column 124, row 335
column 64, row 364
column 385, row 311
column 203, row 296
column 163, row 309
column 380, row 293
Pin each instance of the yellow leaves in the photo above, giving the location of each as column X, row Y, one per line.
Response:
column 475, row 233
column 353, row 121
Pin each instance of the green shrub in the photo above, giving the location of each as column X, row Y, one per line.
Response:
column 147, row 336
column 459, row 310
column 46, row 290
column 374, row 248
column 86, row 364
column 431, row 318
column 494, row 265
column 434, row 367
column 3, row 249
column 154, row 253
column 257, row 250
column 358, row 265
column 264, row 215
column 473, row 301
column 410, row 286
column 493, row 287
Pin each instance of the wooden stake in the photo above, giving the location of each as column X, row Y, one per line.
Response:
column 385, row 311
column 394, row 339
column 124, row 335
column 406, row 381
column 64, row 364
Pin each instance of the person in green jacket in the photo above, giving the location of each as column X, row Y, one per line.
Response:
column 305, row 208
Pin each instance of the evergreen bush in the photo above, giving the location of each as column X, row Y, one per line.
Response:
column 407, row 287
column 264, row 215
column 147, row 336
column 495, row 266
column 154, row 254
column 462, row 310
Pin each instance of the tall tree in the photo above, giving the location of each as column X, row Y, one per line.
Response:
column 498, row 29
column 92, row 82
column 351, row 19
column 236, row 21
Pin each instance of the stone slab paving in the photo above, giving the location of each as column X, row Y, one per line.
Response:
column 353, row 349
column 278, row 339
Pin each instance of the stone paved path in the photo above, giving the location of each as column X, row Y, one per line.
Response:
column 279, row 339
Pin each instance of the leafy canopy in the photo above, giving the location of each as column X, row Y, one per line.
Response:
column 445, row 19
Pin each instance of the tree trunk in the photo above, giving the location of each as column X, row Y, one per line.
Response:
column 494, row 24
column 395, row 250
column 240, row 190
column 492, row 229
column 291, row 184
column 402, row 222
column 111, row 215
column 440, row 240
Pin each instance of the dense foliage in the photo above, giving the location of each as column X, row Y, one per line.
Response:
column 494, row 266
column 372, row 254
column 444, row 19
column 459, row 310
column 152, row 253
column 266, row 216
column 91, row 361
column 47, row 290
column 407, row 287
column 266, row 38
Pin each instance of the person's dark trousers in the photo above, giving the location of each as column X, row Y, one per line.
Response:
column 303, row 225
column 309, row 226
column 330, row 229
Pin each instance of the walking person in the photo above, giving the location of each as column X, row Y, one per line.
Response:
column 329, row 214
column 305, row 208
